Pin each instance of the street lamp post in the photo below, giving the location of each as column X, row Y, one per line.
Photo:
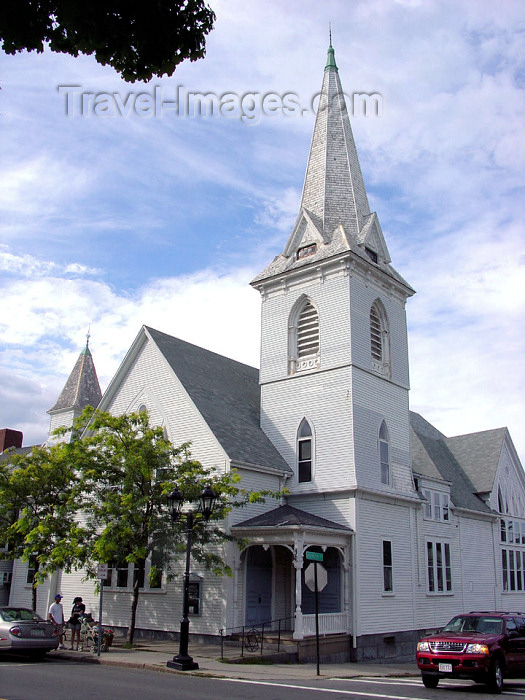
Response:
column 183, row 661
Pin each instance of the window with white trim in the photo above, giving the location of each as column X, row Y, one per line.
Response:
column 388, row 570
column 512, row 534
column 437, row 506
column 122, row 576
column 304, row 339
column 304, row 452
column 384, row 453
column 513, row 569
column 32, row 566
column 439, row 567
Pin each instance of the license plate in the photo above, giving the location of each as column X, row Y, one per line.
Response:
column 36, row 632
column 445, row 668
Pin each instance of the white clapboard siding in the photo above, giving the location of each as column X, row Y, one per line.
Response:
column 151, row 382
column 378, row 612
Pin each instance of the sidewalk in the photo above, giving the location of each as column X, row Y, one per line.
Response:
column 153, row 655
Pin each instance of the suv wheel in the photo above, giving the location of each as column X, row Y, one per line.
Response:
column 495, row 681
column 429, row 681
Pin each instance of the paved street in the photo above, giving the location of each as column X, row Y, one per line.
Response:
column 64, row 678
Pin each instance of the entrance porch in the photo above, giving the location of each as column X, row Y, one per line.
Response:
column 271, row 573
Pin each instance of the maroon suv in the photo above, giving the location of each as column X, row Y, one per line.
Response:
column 483, row 646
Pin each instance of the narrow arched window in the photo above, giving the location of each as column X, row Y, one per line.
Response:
column 304, row 337
column 304, row 452
column 384, row 453
column 379, row 340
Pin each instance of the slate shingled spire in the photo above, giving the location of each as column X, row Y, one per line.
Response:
column 81, row 388
column 334, row 217
column 334, row 192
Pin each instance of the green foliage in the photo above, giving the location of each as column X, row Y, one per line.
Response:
column 103, row 498
column 39, row 502
column 126, row 470
column 138, row 38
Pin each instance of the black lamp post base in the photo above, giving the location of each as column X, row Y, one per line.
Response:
column 182, row 663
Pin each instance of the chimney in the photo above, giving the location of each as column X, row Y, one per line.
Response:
column 10, row 438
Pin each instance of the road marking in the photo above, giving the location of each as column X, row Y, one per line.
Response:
column 403, row 680
column 359, row 693
column 448, row 683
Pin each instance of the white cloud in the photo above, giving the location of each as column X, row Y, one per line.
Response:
column 118, row 222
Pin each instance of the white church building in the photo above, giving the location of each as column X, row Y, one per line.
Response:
column 413, row 526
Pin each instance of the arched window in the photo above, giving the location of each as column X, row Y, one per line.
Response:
column 304, row 337
column 379, row 341
column 304, row 452
column 384, row 453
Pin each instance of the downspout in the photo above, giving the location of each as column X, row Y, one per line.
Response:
column 355, row 620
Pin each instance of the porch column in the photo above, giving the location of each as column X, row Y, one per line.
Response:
column 347, row 586
column 298, row 564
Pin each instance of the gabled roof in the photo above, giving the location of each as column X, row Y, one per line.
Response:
column 433, row 457
column 479, row 455
column 227, row 395
column 289, row 516
column 81, row 388
column 334, row 210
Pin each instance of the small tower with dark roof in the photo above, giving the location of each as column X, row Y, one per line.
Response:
column 80, row 390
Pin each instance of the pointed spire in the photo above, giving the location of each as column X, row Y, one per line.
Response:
column 330, row 61
column 82, row 387
column 334, row 191
column 334, row 217
column 86, row 350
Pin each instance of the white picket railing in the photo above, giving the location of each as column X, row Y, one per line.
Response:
column 329, row 623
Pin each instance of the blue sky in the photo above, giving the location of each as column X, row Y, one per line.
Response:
column 111, row 222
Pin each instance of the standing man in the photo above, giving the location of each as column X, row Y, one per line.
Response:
column 56, row 615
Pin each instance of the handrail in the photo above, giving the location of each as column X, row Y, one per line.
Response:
column 251, row 638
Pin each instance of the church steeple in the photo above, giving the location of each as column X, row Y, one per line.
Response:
column 334, row 192
column 334, row 217
column 80, row 390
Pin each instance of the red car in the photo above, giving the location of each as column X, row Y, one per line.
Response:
column 483, row 646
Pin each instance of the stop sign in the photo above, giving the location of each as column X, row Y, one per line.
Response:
column 309, row 577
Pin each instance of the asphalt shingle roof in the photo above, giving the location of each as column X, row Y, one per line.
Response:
column 289, row 516
column 227, row 394
column 432, row 456
column 479, row 455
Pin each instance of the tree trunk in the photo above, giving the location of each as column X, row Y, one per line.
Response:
column 34, row 587
column 141, row 565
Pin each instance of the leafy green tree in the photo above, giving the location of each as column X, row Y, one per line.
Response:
column 39, row 502
column 127, row 468
column 138, row 38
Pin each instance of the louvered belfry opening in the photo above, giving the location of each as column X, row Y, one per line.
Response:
column 375, row 334
column 308, row 331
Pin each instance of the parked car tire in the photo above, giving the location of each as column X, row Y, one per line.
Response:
column 429, row 681
column 495, row 681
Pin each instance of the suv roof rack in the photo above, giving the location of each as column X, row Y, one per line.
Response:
column 495, row 612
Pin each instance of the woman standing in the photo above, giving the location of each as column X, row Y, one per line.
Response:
column 77, row 611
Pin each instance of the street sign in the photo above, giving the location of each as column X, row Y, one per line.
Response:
column 314, row 556
column 102, row 571
column 309, row 576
